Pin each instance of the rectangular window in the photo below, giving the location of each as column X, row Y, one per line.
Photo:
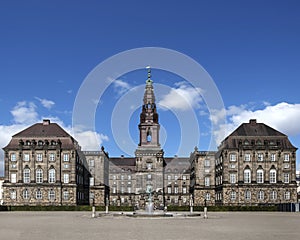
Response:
column 51, row 195
column 287, row 195
column 272, row 176
column 66, row 157
column 286, row 157
column 13, row 194
column 184, row 177
column 66, row 178
column 247, row 176
column 169, row 190
column 260, row 157
column 38, row 194
column 51, row 157
column 260, row 176
column 207, row 181
column 92, row 163
column 114, row 190
column 149, row 177
column 260, row 195
column 114, row 177
column 232, row 177
column 26, row 157
column 129, row 177
column 232, row 157
column 39, row 157
column 207, row 196
column 13, row 157
column 286, row 177
column 247, row 157
column 273, row 157
column 169, row 179
column 207, row 163
column 273, row 195
column 13, row 178
column 66, row 195
column 233, row 195
column 92, row 181
column 129, row 189
column 175, row 190
column 184, row 190
column 26, row 175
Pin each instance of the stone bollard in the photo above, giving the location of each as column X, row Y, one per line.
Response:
column 93, row 212
column 106, row 209
column 205, row 212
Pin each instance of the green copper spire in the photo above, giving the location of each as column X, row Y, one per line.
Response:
column 149, row 81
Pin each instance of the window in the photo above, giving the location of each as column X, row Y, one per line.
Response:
column 26, row 194
column 129, row 189
column 232, row 177
column 169, row 190
column 66, row 157
column 129, row 177
column 273, row 157
column 66, row 195
column 149, row 166
column 66, row 166
column 13, row 157
column 286, row 177
column 26, row 157
column 122, row 189
column 66, row 178
column 247, row 157
column 114, row 190
column 122, row 177
column 207, row 163
column 247, row 195
column 169, row 179
column 175, row 177
column 206, row 181
column 286, row 157
column 207, row 196
column 92, row 163
column 184, row 190
column 287, row 195
column 51, row 157
column 114, row 177
column 232, row 195
column 13, row 194
column 247, row 176
column 184, row 177
column 272, row 176
column 260, row 176
column 13, row 178
column 39, row 175
column 38, row 194
column 260, row 157
column 149, row 177
column 52, row 175
column 92, row 181
column 176, row 190
column 273, row 195
column 51, row 195
column 26, row 175
column 39, row 157
column 232, row 157
column 260, row 195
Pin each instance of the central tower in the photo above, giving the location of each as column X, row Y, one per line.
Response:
column 149, row 155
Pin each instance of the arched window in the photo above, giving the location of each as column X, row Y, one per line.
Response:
column 26, row 175
column 273, row 176
column 26, row 194
column 149, row 137
column 52, row 175
column 39, row 175
column 247, row 175
column 260, row 176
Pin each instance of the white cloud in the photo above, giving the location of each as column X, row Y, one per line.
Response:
column 90, row 140
column 24, row 113
column 182, row 98
column 119, row 85
column 283, row 117
column 46, row 103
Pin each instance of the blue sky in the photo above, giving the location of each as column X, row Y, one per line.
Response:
column 249, row 48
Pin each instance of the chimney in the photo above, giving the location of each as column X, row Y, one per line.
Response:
column 46, row 122
column 252, row 121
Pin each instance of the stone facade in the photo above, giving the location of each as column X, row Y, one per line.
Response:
column 44, row 166
column 255, row 165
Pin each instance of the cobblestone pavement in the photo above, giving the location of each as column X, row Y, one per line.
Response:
column 80, row 225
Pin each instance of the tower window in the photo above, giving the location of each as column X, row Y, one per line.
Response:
column 149, row 137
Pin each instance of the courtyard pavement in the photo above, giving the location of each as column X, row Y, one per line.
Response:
column 80, row 225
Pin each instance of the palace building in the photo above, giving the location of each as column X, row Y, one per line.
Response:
column 254, row 165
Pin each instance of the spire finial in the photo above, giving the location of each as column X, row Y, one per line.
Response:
column 149, row 81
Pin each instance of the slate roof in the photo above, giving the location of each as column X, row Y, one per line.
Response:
column 43, row 131
column 256, row 131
